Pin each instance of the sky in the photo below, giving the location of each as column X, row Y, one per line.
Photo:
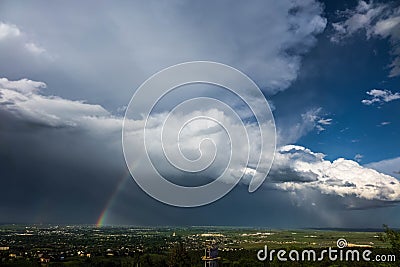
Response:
column 329, row 71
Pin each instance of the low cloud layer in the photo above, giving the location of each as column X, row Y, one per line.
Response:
column 295, row 169
column 22, row 99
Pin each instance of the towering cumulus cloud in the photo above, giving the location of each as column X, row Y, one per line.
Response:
column 298, row 168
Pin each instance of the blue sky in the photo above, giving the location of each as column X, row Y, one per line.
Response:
column 337, row 78
column 330, row 71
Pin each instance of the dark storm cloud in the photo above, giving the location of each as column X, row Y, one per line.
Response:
column 268, row 207
column 65, row 155
column 54, row 174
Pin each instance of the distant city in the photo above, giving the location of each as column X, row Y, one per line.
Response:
column 87, row 245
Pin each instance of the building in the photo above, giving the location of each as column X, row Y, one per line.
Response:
column 44, row 260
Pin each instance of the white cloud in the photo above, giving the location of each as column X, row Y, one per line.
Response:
column 377, row 20
column 22, row 99
column 24, row 86
column 325, row 121
column 11, row 37
column 35, row 49
column 310, row 120
column 380, row 97
column 385, row 27
column 358, row 157
column 363, row 17
column 297, row 168
column 8, row 31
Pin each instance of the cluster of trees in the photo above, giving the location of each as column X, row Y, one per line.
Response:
column 393, row 237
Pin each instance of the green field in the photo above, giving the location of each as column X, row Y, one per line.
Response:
column 38, row 245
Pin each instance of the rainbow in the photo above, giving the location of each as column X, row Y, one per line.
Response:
column 109, row 203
